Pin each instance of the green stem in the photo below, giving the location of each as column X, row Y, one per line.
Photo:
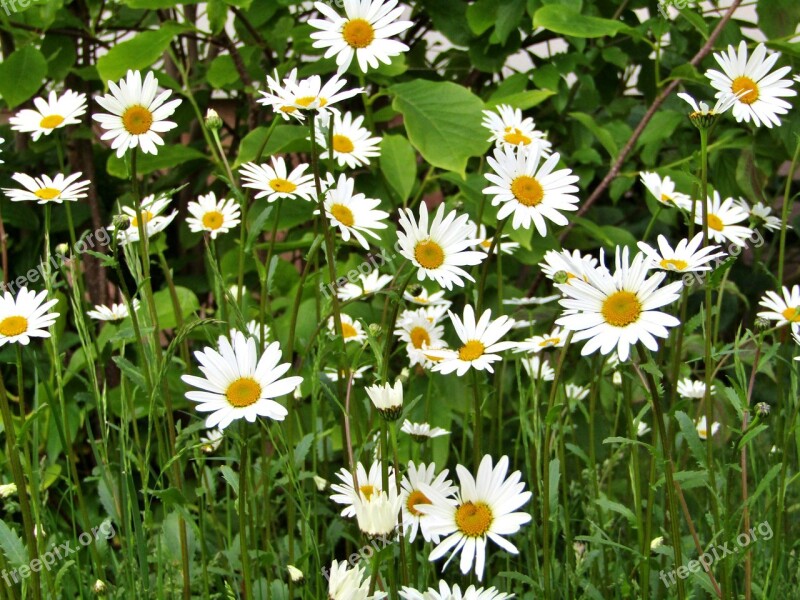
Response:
column 244, row 454
column 476, row 435
column 652, row 222
column 787, row 204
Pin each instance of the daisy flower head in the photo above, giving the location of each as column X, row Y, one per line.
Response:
column 723, row 216
column 295, row 97
column 423, row 297
column 213, row 216
column 364, row 484
column 275, row 182
column 253, row 329
column 368, row 284
column 388, row 400
column 115, row 312
column 352, row 330
column 377, row 512
column 485, row 241
column 554, row 339
column 364, row 33
column 445, row 592
column 538, row 368
column 758, row 92
column 44, row 189
column 422, row 431
column 345, row 583
column 25, row 316
column 763, row 213
column 239, row 383
column 564, row 266
column 692, row 389
column 615, row 311
column 334, row 374
column 687, row 256
column 702, row 428
column 784, row 310
column 533, row 301
column 211, row 440
column 664, row 190
column 51, row 114
column 353, row 214
column 353, row 144
column 483, row 509
column 509, row 129
column 412, row 496
column 441, row 249
column 529, row 191
column 153, row 221
column 137, row 114
column 480, row 343
column 419, row 332
column 701, row 110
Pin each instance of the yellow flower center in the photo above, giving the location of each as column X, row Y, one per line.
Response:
column 549, row 342
column 429, row 254
column 516, row 137
column 243, row 392
column 213, row 219
column 343, row 144
column 137, row 119
column 486, row 244
column 306, row 101
column 715, row 223
column 47, row 193
column 414, row 498
column 358, row 33
column 288, row 109
column 746, row 85
column 419, row 336
column 474, row 520
column 282, row 185
column 51, row 121
column 367, row 490
column 665, row 198
column 621, row 309
column 348, row 331
column 146, row 218
column 674, row 264
column 792, row 314
column 11, row 326
column 527, row 190
column 470, row 351
column 343, row 214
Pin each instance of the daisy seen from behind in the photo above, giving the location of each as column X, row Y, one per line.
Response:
column 275, row 181
column 137, row 114
column 723, row 216
column 509, row 129
column 783, row 310
column 25, row 316
column 354, row 214
column 51, row 114
column 422, row 431
column 412, row 496
column 353, row 144
column 44, row 189
column 213, row 216
column 685, row 257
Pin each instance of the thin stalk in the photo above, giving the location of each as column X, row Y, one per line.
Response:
column 244, row 454
column 476, row 435
column 787, row 204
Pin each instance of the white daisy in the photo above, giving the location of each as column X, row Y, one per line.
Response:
column 554, row 339
column 642, row 428
column 691, row 389
column 722, row 219
column 614, row 311
column 364, row 32
column 445, row 592
column 440, row 251
column 567, row 266
column 25, row 316
column 368, row 284
column 275, row 182
column 115, row 312
column 485, row 241
column 510, row 129
column 480, row 343
column 253, row 329
column 538, row 368
column 532, row 193
column 795, row 335
column 724, row 102
column 294, row 97
column 422, row 431
column 353, row 214
column 759, row 91
column 419, row 331
column 51, row 114
column 784, row 310
column 213, row 216
column 353, row 145
column 211, row 440
column 533, row 301
column 413, row 496
column 575, row 392
column 138, row 116
column 388, row 400
column 763, row 213
column 368, row 483
column 333, row 374
column 345, row 583
column 44, row 189
column 352, row 330
column 483, row 509
column 153, row 221
column 686, row 257
column 238, row 383
column 423, row 297
column 377, row 513
column 702, row 428
column 664, row 190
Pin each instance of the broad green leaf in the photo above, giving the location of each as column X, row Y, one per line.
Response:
column 603, row 135
column 443, row 121
column 168, row 156
column 778, row 18
column 139, row 52
column 567, row 20
column 509, row 17
column 398, row 164
column 21, row 75
column 481, row 15
column 15, row 552
column 222, row 72
column 166, row 316
column 154, row 4
column 521, row 100
column 282, row 137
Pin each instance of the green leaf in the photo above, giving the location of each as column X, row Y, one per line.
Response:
column 12, row 546
column 137, row 53
column 166, row 316
column 168, row 156
column 603, row 135
column 521, row 100
column 481, row 15
column 692, row 439
column 21, row 75
column 554, row 475
column 282, row 137
column 567, row 20
column 222, row 72
column 231, row 477
column 130, row 371
column 398, row 164
column 509, row 16
column 778, row 18
column 762, row 485
column 153, row 4
column 443, row 122
column 751, row 433
column 617, row 508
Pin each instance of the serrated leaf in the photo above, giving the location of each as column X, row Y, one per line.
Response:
column 750, row 434
column 130, row 370
column 762, row 485
column 231, row 477
column 692, row 438
column 302, row 448
column 15, row 552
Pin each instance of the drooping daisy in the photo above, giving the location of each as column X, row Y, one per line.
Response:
column 412, row 496
column 445, row 592
column 484, row 509
column 538, row 368
column 115, row 312
column 424, row 298
column 377, row 512
column 485, row 241
column 367, row 483
column 353, row 214
column 722, row 219
column 275, row 182
column 566, row 266
column 784, row 310
column 537, row 343
column 211, row 440
column 345, row 583
column 440, row 251
column 387, row 399
column 422, row 431
column 50, row 114
column 510, row 129
column 724, row 102
column 692, row 389
column 368, row 284
column 295, row 97
column 686, row 257
column 528, row 191
column 419, row 332
column 702, row 428
column 763, row 213
column 353, row 145
column 364, row 32
column 758, row 91
column 352, row 330
column 44, row 189
column 480, row 343
column 664, row 190
column 213, row 216
column 575, row 392
column 614, row 311
column 25, row 316
column 153, row 221
column 238, row 383
column 138, row 116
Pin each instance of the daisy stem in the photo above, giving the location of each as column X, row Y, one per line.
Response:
column 652, row 222
column 489, row 254
column 176, row 305
column 244, row 455
column 787, row 204
column 264, row 300
column 387, row 350
column 367, row 103
column 476, row 435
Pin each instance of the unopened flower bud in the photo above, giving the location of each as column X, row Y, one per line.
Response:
column 62, row 249
column 561, row 277
column 296, row 575
column 761, row 323
column 213, row 120
column 121, row 222
column 321, row 483
column 415, row 290
column 374, row 329
column 99, row 587
column 762, row 409
column 657, row 543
